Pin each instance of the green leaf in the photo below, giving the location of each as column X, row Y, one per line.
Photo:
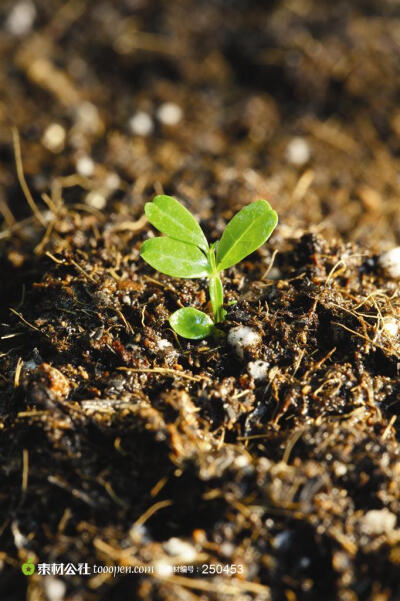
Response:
column 173, row 219
column 175, row 258
column 245, row 232
column 191, row 323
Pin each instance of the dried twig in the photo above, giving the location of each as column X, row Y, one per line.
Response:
column 22, row 180
column 24, row 320
column 165, row 371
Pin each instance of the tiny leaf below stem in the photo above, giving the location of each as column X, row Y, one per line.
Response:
column 191, row 323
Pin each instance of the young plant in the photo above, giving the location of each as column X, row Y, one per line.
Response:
column 185, row 253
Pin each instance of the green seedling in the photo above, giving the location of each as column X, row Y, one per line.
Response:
column 185, row 253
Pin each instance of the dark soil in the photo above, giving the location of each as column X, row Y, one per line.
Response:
column 115, row 435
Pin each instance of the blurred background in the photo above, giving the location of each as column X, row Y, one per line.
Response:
column 219, row 102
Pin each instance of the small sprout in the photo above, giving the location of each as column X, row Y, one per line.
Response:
column 185, row 253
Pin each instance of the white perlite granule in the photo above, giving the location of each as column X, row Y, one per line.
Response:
column 54, row 137
column 164, row 344
column 391, row 326
column 55, row 588
column 258, row 370
column 169, row 113
column 180, row 548
column 85, row 166
column 378, row 521
column 96, row 200
column 88, row 117
column 390, row 263
column 21, row 17
column 298, row 151
column 141, row 124
column 113, row 181
column 242, row 338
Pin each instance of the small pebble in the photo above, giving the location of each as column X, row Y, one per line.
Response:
column 241, row 461
column 164, row 344
column 55, row 588
column 163, row 569
column 21, row 18
column 180, row 548
column 57, row 384
column 390, row 263
column 339, row 469
column 298, row 151
column 227, row 549
column 378, row 521
column 85, row 166
column 54, row 137
column 258, row 370
column 96, row 200
column 141, row 124
column 243, row 338
column 169, row 113
column 391, row 326
column 113, row 181
column 88, row 118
